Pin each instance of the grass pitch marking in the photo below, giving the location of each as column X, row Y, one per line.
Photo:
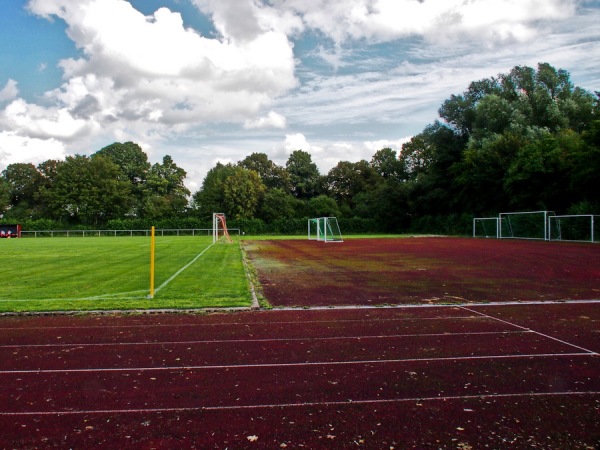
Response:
column 176, row 274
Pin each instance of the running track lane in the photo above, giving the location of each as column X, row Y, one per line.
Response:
column 394, row 378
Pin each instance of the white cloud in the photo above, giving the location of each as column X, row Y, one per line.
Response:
column 9, row 91
column 19, row 149
column 298, row 141
column 271, row 120
column 151, row 69
column 44, row 123
column 441, row 21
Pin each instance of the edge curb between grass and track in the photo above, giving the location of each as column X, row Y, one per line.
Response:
column 211, row 310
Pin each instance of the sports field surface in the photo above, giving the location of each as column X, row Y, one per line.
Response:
column 113, row 273
column 442, row 362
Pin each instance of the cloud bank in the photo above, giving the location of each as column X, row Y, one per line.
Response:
column 277, row 70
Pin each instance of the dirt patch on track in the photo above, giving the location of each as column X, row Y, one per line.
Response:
column 423, row 270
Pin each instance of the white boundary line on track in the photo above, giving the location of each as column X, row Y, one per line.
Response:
column 238, row 341
column 302, row 405
column 533, row 331
column 237, row 324
column 297, row 364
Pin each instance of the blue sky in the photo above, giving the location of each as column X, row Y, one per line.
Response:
column 215, row 80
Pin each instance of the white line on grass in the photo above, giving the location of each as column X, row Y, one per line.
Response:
column 119, row 295
column 445, row 398
column 176, row 274
column 298, row 364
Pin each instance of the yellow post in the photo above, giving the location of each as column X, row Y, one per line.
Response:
column 152, row 241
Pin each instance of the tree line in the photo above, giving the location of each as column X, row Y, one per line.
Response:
column 525, row 140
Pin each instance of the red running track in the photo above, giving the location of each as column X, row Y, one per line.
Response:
column 432, row 377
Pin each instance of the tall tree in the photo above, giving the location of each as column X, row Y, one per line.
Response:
column 133, row 165
column 211, row 196
column 304, row 175
column 165, row 194
column 88, row 190
column 347, row 179
column 387, row 164
column 242, row 193
column 272, row 175
column 23, row 181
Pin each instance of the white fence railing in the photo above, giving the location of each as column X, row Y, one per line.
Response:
column 116, row 233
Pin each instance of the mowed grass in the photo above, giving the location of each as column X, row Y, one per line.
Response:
column 105, row 273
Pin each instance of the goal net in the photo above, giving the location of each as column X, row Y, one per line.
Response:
column 524, row 225
column 486, row 227
column 220, row 228
column 577, row 228
column 324, row 229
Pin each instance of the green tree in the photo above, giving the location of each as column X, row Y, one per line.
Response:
column 23, row 181
column 431, row 160
column 211, row 196
column 4, row 196
column 305, row 176
column 134, row 167
column 387, row 165
column 347, row 179
column 48, row 171
column 322, row 206
column 165, row 194
column 272, row 175
column 89, row 191
column 277, row 204
column 242, row 193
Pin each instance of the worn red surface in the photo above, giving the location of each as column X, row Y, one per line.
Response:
column 424, row 270
column 519, row 376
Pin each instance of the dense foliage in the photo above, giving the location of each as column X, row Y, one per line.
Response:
column 526, row 140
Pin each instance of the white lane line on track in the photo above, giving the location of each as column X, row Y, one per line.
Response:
column 298, row 364
column 197, row 325
column 533, row 331
column 303, row 404
column 238, row 341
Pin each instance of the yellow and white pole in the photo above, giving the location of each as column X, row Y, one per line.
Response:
column 152, row 244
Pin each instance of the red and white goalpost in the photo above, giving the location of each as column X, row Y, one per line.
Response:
column 220, row 228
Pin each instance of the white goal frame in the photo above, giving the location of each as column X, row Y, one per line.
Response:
column 219, row 228
column 505, row 218
column 556, row 226
column 325, row 229
column 494, row 226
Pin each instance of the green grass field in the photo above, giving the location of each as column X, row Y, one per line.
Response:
column 106, row 273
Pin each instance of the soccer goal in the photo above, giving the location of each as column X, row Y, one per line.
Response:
column 220, row 228
column 324, row 229
column 525, row 225
column 576, row 228
column 486, row 227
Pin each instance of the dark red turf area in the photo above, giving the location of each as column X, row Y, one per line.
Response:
column 424, row 270
column 482, row 376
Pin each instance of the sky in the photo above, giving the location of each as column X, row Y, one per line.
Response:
column 209, row 81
